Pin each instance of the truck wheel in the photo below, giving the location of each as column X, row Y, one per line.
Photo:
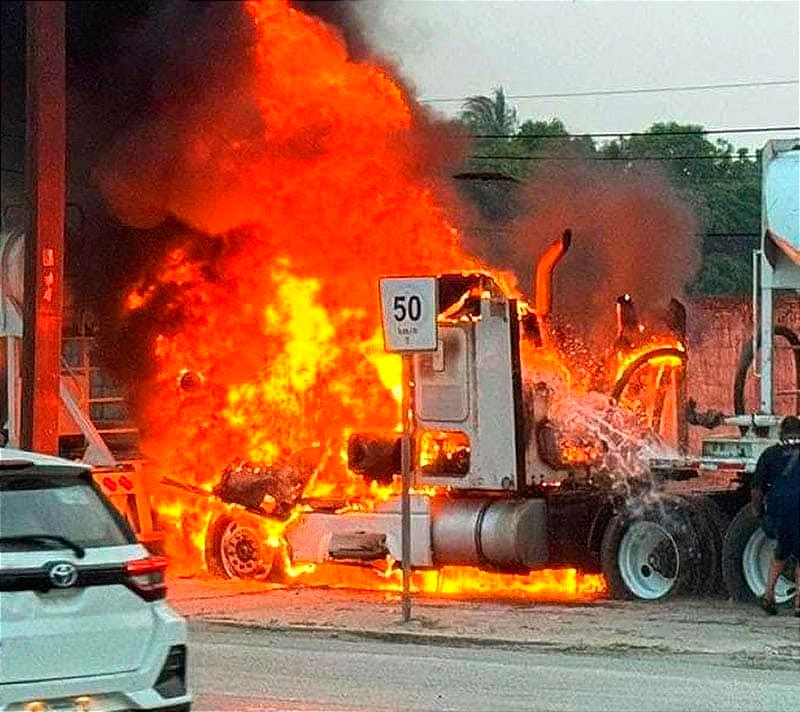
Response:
column 711, row 531
column 709, row 547
column 650, row 551
column 746, row 556
column 235, row 549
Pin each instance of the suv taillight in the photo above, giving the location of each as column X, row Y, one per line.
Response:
column 146, row 577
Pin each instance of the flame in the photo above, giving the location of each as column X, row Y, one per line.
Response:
column 270, row 341
column 282, row 319
column 554, row 585
column 626, row 358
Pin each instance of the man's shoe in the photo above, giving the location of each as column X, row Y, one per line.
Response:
column 768, row 606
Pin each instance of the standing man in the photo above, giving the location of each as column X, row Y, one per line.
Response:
column 776, row 484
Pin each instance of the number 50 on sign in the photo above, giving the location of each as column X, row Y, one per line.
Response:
column 409, row 306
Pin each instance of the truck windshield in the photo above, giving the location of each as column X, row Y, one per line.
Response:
column 43, row 510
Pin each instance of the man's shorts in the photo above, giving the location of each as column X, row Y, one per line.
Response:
column 788, row 543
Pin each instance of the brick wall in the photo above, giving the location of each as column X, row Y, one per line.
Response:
column 717, row 330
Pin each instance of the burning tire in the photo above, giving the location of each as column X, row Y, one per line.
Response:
column 651, row 551
column 746, row 556
column 235, row 549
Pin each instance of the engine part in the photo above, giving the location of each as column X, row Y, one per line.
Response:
column 710, row 419
column 375, row 457
column 505, row 534
column 248, row 484
column 547, row 441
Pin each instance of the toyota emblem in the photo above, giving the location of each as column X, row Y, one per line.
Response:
column 63, row 574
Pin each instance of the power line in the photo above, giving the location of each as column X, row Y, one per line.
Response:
column 608, row 134
column 636, row 90
column 614, row 158
column 507, row 229
column 599, row 134
column 620, row 134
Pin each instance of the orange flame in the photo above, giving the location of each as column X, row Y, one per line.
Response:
column 273, row 343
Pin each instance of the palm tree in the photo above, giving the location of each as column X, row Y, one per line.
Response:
column 487, row 115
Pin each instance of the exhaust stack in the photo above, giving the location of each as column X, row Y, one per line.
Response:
column 543, row 276
column 628, row 327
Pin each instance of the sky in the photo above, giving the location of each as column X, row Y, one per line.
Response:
column 457, row 48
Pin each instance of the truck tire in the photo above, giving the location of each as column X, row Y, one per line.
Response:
column 651, row 551
column 720, row 521
column 746, row 556
column 708, row 571
column 235, row 549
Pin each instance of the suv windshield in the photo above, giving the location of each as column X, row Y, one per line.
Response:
column 51, row 501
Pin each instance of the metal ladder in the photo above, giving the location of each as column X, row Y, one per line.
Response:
column 98, row 399
column 100, row 417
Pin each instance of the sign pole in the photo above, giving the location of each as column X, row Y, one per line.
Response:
column 409, row 310
column 405, row 500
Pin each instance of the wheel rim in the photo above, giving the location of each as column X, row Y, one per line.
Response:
column 756, row 559
column 242, row 554
column 648, row 560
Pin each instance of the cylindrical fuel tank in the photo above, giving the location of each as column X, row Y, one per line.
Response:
column 501, row 534
column 514, row 533
column 455, row 524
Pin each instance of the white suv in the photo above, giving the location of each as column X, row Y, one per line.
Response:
column 83, row 620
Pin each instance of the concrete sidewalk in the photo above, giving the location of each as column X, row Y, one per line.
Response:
column 738, row 634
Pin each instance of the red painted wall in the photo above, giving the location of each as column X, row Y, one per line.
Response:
column 717, row 330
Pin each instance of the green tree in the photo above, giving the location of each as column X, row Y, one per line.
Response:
column 723, row 187
column 548, row 138
column 722, row 273
column 493, row 121
column 490, row 114
column 721, row 184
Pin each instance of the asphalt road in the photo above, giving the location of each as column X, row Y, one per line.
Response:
column 250, row 669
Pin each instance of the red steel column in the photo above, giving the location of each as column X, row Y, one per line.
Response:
column 44, row 239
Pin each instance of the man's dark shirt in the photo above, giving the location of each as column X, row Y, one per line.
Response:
column 778, row 476
column 783, row 458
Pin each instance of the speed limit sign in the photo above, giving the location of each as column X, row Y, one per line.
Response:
column 409, row 307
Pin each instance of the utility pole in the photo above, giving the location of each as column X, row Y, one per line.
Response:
column 45, row 131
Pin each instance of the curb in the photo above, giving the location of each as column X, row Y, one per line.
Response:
column 764, row 660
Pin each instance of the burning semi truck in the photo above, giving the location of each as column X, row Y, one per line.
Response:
column 509, row 474
column 491, row 488
column 266, row 405
column 497, row 484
